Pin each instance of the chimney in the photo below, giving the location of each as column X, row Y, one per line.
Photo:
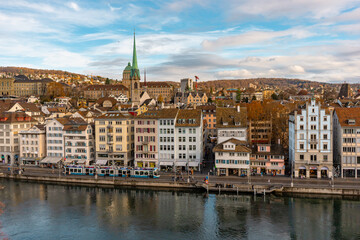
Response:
column 238, row 108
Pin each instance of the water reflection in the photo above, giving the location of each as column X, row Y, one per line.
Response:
column 68, row 212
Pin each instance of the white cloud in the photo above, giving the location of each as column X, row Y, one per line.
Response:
column 254, row 37
column 296, row 69
column 318, row 9
column 242, row 73
column 73, row 6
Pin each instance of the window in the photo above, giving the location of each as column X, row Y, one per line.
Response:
column 325, row 146
column 313, row 158
column 325, row 136
column 301, row 146
column 325, row 158
column 313, row 146
column 301, row 157
column 313, row 119
column 325, row 127
column 313, row 127
column 301, row 127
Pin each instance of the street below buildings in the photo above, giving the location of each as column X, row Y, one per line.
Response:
column 344, row 183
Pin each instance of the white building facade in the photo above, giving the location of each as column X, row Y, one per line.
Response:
column 311, row 141
column 79, row 143
column 232, row 157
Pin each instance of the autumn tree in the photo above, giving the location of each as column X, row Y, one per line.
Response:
column 55, row 89
column 160, row 99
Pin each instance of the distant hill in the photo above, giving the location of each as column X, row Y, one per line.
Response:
column 26, row 71
column 260, row 82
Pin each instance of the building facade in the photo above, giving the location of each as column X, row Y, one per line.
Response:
column 157, row 89
column 232, row 157
column 146, row 140
column 231, row 123
column 114, row 139
column 209, row 116
column 267, row 159
column 347, row 141
column 79, row 142
column 11, row 123
column 32, row 145
column 311, row 141
column 98, row 91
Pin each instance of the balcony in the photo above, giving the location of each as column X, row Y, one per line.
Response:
column 313, row 140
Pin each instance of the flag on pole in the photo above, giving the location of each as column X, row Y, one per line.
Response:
column 196, row 79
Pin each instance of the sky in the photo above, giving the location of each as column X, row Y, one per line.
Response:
column 316, row 40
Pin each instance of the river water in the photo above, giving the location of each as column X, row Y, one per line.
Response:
column 45, row 211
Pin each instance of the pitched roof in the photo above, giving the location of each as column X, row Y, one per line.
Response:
column 239, row 146
column 157, row 114
column 100, row 101
column 115, row 115
column 344, row 114
column 110, row 87
column 156, row 85
column 231, row 117
column 13, row 117
column 188, row 118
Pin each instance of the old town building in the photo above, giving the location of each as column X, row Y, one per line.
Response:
column 232, row 157
column 32, row 145
column 347, row 141
column 157, row 89
column 114, row 138
column 267, row 159
column 11, row 123
column 311, row 141
column 98, row 91
column 231, row 123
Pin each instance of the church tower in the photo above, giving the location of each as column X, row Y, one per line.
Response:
column 131, row 78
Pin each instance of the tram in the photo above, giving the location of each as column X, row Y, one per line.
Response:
column 112, row 172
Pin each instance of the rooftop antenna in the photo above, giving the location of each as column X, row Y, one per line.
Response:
column 145, row 77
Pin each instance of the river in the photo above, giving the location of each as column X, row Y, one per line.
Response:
column 46, row 211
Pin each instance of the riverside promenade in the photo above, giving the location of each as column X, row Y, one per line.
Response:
column 217, row 184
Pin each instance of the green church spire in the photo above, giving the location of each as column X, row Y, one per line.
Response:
column 135, row 73
column 134, row 60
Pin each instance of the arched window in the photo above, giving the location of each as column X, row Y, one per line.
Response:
column 135, row 85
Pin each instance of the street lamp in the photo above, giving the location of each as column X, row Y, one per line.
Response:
column 292, row 174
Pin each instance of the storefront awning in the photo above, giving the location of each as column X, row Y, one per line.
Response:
column 52, row 160
column 28, row 159
column 276, row 168
column 68, row 161
column 302, row 168
column 183, row 164
column 82, row 161
column 166, row 163
column 101, row 162
column 193, row 164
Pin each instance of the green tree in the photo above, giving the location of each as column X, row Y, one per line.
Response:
column 238, row 95
column 107, row 81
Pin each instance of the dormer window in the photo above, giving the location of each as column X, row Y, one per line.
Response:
column 351, row 121
column 225, row 123
column 237, row 123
